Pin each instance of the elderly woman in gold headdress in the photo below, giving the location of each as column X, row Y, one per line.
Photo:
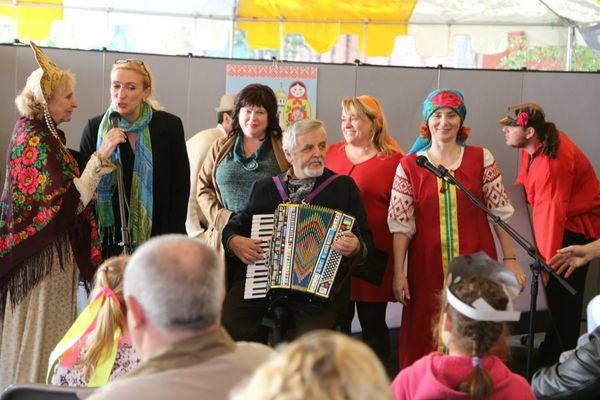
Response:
column 47, row 230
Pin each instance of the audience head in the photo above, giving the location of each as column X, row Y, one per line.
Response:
column 108, row 285
column 364, row 123
column 525, row 124
column 131, row 85
column 447, row 104
column 305, row 145
column 47, row 88
column 172, row 284
column 320, row 365
column 475, row 305
column 255, row 113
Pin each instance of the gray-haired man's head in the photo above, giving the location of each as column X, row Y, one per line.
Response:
column 305, row 145
column 178, row 281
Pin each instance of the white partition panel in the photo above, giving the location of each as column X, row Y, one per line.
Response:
column 191, row 87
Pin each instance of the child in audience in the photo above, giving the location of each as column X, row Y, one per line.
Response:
column 475, row 303
column 96, row 349
column 321, row 365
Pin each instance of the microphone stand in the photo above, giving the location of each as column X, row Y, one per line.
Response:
column 531, row 250
column 125, row 243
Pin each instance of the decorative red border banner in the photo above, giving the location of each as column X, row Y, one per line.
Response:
column 271, row 71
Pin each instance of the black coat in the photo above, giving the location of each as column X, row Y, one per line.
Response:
column 171, row 175
column 342, row 194
column 578, row 377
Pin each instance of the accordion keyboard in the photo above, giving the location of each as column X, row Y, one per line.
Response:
column 257, row 274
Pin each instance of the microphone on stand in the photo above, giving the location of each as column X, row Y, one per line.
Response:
column 423, row 162
column 125, row 243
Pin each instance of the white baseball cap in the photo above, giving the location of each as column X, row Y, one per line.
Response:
column 226, row 103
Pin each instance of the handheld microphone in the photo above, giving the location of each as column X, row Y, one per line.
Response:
column 423, row 162
column 114, row 118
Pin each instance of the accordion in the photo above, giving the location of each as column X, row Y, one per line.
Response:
column 300, row 256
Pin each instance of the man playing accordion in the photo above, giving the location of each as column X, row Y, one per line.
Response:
column 307, row 181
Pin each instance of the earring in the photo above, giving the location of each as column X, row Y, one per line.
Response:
column 49, row 122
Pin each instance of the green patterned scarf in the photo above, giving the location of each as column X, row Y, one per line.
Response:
column 140, row 203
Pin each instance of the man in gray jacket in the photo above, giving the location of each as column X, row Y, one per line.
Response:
column 174, row 287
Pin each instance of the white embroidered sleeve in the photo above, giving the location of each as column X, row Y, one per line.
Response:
column 86, row 184
column 494, row 192
column 401, row 214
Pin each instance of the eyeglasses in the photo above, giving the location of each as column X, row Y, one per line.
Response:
column 138, row 62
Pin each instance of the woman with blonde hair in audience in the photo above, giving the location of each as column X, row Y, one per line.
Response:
column 321, row 365
column 475, row 304
column 96, row 349
column 154, row 158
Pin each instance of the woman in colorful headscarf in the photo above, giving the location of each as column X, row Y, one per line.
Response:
column 48, row 230
column 370, row 156
column 435, row 222
column 155, row 163
column 97, row 348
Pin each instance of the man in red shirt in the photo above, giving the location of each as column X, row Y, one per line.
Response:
column 564, row 193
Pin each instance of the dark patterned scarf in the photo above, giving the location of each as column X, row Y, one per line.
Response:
column 40, row 204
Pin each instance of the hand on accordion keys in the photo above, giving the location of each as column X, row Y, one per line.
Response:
column 246, row 249
column 347, row 244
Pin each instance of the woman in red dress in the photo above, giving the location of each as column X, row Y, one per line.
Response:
column 434, row 222
column 370, row 156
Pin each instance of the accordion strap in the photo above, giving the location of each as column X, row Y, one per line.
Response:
column 285, row 197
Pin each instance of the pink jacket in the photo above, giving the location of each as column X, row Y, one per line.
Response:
column 436, row 376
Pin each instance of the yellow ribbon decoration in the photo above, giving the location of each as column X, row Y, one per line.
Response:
column 74, row 334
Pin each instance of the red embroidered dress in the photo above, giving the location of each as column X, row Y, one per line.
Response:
column 374, row 179
column 442, row 224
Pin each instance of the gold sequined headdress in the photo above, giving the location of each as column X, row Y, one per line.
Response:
column 51, row 73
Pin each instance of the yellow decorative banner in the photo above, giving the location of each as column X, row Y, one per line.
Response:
column 33, row 22
column 322, row 36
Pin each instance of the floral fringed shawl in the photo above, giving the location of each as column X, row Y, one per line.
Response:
column 40, row 204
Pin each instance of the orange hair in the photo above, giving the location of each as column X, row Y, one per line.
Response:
column 463, row 132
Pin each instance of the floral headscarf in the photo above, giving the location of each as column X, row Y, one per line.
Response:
column 437, row 99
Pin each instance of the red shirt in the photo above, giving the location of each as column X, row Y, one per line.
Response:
column 564, row 193
column 374, row 178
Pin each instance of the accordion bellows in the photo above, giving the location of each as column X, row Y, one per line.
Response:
column 301, row 257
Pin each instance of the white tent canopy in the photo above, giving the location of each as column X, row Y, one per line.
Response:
column 488, row 22
column 433, row 23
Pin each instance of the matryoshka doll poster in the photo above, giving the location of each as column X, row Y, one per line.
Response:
column 295, row 88
column 297, row 106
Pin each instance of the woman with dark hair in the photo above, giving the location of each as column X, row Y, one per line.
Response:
column 251, row 151
column 154, row 158
column 434, row 222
